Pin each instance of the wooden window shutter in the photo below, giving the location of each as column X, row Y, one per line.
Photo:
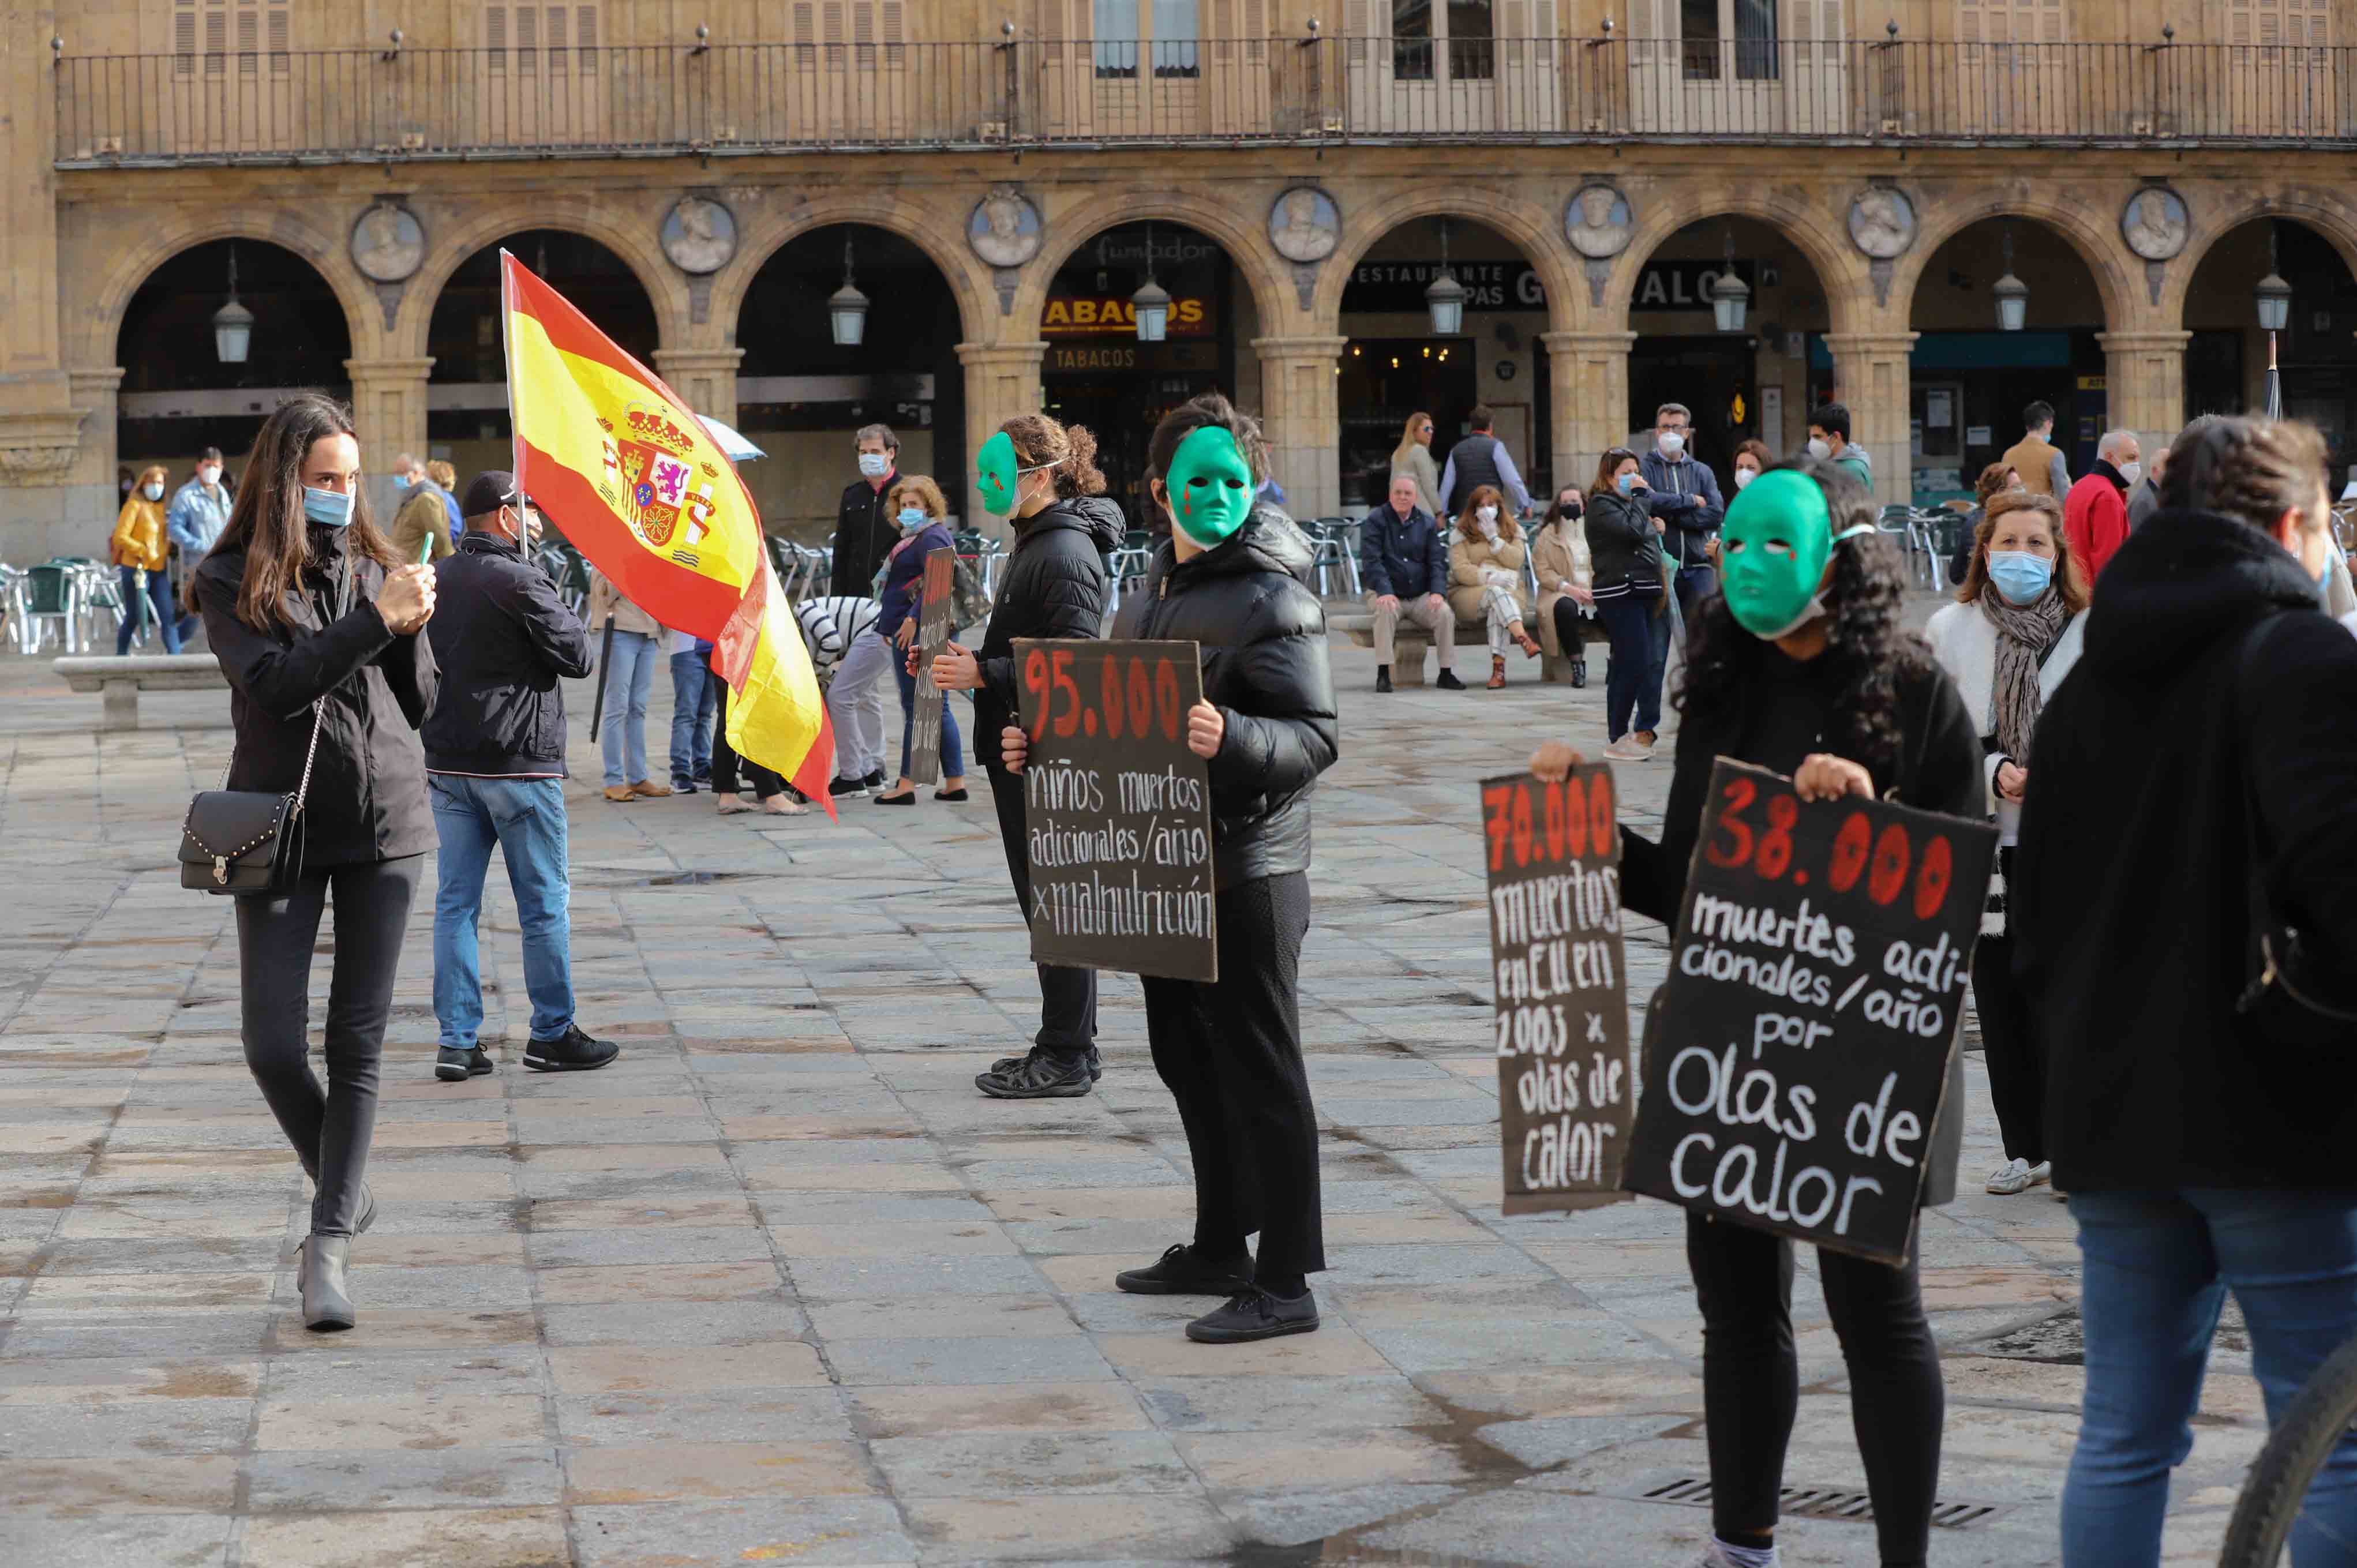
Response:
column 184, row 38
column 249, row 39
column 279, row 28
column 554, row 29
column 216, row 39
column 863, row 33
column 527, row 38
column 1052, row 31
column 832, row 30
column 495, row 38
column 585, row 38
column 1829, row 25
column 895, row 32
column 1255, row 27
column 1220, row 27
column 1357, row 27
column 805, row 30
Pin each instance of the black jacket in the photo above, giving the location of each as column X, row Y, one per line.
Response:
column 1405, row 556
column 367, row 785
column 1246, row 604
column 1622, row 546
column 2129, row 898
column 503, row 639
column 1054, row 586
column 864, row 534
column 1778, row 720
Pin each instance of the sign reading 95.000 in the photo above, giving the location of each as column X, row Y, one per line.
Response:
column 1117, row 811
column 1798, row 1059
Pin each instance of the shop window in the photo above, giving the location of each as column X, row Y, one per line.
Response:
column 260, row 28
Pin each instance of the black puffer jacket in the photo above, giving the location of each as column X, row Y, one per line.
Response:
column 503, row 639
column 2130, row 894
column 1623, row 542
column 1054, row 586
column 1263, row 635
column 368, row 787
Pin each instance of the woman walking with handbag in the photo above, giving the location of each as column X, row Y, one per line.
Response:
column 315, row 626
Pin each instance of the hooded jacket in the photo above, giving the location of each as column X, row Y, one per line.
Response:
column 367, row 800
column 1246, row 603
column 504, row 638
column 2131, row 889
column 1685, row 498
column 1054, row 586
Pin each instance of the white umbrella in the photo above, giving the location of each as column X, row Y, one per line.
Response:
column 732, row 445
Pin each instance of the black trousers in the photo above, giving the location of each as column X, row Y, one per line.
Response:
column 1569, row 624
column 2016, row 1067
column 1750, row 1381
column 329, row 1128
column 725, row 759
column 1068, row 997
column 1230, row 1053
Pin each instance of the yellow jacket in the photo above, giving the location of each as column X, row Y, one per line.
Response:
column 421, row 515
column 139, row 534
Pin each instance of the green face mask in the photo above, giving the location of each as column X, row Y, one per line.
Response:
column 1209, row 486
column 1773, row 548
column 996, row 471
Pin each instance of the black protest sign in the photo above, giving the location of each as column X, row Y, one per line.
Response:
column 932, row 636
column 1565, row 1092
column 1117, row 811
column 1799, row 1052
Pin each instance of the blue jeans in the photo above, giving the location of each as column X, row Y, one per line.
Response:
column 1638, row 625
column 695, row 699
column 628, row 677
column 160, row 613
column 526, row 817
column 2159, row 1265
column 952, row 756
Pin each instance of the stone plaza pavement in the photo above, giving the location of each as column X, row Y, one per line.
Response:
column 781, row 1287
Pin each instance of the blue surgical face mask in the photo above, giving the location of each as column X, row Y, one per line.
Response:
column 1627, row 483
column 2020, row 576
column 401, row 481
column 332, row 508
column 912, row 518
column 875, row 465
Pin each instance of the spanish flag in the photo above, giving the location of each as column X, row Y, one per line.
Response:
column 640, row 488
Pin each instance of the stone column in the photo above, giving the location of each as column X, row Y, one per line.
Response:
column 2143, row 381
column 1002, row 380
column 1871, row 374
column 40, row 424
column 389, row 406
column 1301, row 416
column 707, row 377
column 1587, row 382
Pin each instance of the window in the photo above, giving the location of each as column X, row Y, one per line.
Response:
column 1117, row 32
column 1706, row 28
column 1168, row 46
column 1177, row 24
column 1755, row 40
column 526, row 37
column 1472, row 51
column 259, row 27
column 1412, row 40
column 1460, row 33
column 1698, row 38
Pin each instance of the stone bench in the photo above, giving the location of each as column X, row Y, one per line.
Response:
column 120, row 680
column 1410, row 643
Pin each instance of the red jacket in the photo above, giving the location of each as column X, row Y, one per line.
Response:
column 2095, row 519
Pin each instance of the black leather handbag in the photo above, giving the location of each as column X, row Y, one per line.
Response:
column 247, row 841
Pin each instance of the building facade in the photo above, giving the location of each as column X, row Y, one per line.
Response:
column 999, row 181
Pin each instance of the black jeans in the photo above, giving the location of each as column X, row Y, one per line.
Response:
column 2016, row 1067
column 1068, row 997
column 1231, row 1054
column 330, row 1129
column 1571, row 626
column 1750, row 1381
column 725, row 759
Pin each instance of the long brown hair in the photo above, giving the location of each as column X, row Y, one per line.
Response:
column 2066, row 566
column 1991, row 481
column 1487, row 494
column 1041, row 442
column 267, row 522
column 1607, row 465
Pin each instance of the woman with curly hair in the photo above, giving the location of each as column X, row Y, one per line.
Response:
column 1802, row 665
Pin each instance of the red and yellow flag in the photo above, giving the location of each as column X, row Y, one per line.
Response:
column 640, row 488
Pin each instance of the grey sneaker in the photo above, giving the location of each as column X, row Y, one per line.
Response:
column 454, row 1064
column 1008, row 1063
column 1037, row 1077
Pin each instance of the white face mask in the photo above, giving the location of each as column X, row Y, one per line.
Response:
column 155, row 492
column 210, row 477
column 1670, row 443
column 1820, row 448
column 1745, row 476
column 875, row 465
column 2131, row 472
column 1485, row 514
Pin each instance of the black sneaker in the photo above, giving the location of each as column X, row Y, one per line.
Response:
column 1008, row 1063
column 875, row 780
column 1037, row 1077
column 1183, row 1271
column 1382, row 678
column 1254, row 1313
column 1579, row 674
column 684, row 787
column 571, row 1051
column 1447, row 681
column 843, row 786
column 454, row 1065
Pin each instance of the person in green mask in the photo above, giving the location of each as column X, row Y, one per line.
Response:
column 1232, row 579
column 1802, row 665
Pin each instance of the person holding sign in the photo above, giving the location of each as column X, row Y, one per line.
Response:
column 1045, row 475
column 1802, row 665
column 1230, row 580
column 2011, row 636
column 916, row 508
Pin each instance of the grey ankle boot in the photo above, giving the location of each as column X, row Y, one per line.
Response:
column 321, row 1276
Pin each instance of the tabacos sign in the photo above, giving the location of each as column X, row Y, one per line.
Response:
column 1083, row 316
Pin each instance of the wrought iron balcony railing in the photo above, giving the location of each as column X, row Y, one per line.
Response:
column 130, row 110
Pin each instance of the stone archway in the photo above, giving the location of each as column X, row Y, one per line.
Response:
column 1238, row 233
column 920, row 225
column 1532, row 232
column 126, row 271
column 451, row 247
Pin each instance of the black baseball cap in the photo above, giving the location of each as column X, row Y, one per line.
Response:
column 490, row 490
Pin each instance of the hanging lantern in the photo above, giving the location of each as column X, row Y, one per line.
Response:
column 847, row 308
column 2272, row 294
column 232, row 323
column 1150, row 306
column 1730, row 297
column 2011, row 294
column 1444, row 297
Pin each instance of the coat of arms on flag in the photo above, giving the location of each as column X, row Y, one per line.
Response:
column 654, row 478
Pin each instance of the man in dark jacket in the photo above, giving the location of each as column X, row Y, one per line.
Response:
column 1403, row 566
column 495, row 763
column 863, row 530
column 1684, row 495
column 1481, row 459
column 2190, row 785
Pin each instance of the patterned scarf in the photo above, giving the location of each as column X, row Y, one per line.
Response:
column 2024, row 633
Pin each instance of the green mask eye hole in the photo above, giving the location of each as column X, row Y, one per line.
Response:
column 1235, row 484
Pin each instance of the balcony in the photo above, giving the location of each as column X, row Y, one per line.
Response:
column 656, row 100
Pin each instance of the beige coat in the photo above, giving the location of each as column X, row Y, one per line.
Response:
column 604, row 598
column 1467, row 557
column 1559, row 556
column 1427, row 476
